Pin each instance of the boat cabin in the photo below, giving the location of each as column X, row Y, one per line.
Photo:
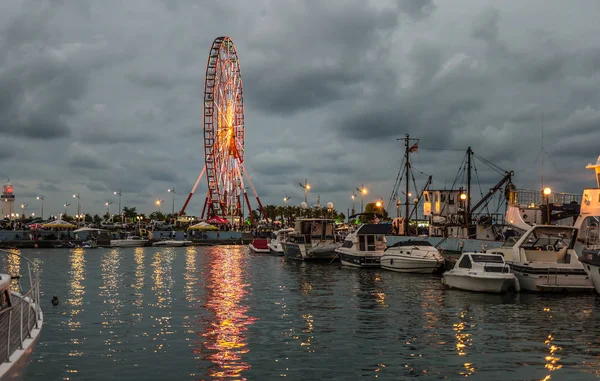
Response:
column 314, row 229
column 489, row 262
column 545, row 243
column 368, row 237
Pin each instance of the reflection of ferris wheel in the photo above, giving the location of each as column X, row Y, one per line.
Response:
column 224, row 133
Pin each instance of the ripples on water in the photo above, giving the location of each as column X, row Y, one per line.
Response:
column 224, row 314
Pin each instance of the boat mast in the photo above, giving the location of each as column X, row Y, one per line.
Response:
column 407, row 169
column 468, row 206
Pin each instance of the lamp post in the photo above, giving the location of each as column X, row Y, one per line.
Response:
column 108, row 204
column 547, row 192
column 158, row 203
column 78, row 198
column 286, row 199
column 463, row 198
column 119, row 194
column 363, row 191
column 353, row 197
column 23, row 206
column 66, row 205
column 172, row 190
column 42, row 199
column 306, row 187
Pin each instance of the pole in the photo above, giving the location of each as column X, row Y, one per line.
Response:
column 362, row 198
column 305, row 191
column 468, row 206
column 406, row 205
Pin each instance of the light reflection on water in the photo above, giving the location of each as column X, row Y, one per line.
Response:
column 224, row 341
column 218, row 313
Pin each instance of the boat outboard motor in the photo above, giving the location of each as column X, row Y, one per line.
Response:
column 55, row 300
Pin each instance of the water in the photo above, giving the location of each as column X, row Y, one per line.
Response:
column 224, row 314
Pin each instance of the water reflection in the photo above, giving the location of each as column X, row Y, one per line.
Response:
column 163, row 288
column 75, row 300
column 224, row 339
column 191, row 279
column 464, row 340
column 139, row 255
column 110, row 267
column 552, row 358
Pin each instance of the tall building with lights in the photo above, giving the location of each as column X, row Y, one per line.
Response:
column 8, row 201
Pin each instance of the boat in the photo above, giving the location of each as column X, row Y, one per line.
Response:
column 365, row 246
column 21, row 318
column 588, row 224
column 412, row 256
column 129, row 241
column 275, row 243
column 172, row 243
column 259, row 245
column 481, row 272
column 312, row 239
column 544, row 260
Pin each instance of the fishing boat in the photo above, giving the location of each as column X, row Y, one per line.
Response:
column 412, row 256
column 21, row 318
column 481, row 272
column 364, row 246
column 278, row 237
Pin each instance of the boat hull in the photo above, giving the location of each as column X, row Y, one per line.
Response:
column 128, row 243
column 591, row 264
column 497, row 285
column 257, row 250
column 358, row 259
column 551, row 279
column 172, row 243
column 301, row 252
column 276, row 249
column 410, row 264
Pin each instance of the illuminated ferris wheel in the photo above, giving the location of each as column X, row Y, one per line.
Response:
column 224, row 134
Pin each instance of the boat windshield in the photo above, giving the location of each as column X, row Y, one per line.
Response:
column 487, row 258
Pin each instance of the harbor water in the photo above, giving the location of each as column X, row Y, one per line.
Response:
column 221, row 313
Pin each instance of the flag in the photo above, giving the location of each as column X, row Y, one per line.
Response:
column 414, row 148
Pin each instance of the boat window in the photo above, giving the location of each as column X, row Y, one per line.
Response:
column 451, row 199
column 443, row 197
column 348, row 244
column 4, row 300
column 465, row 263
column 487, row 258
column 370, row 242
column 361, row 241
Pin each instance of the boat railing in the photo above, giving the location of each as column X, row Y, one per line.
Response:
column 23, row 314
column 533, row 199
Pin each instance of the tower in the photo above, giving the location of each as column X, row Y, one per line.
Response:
column 8, row 201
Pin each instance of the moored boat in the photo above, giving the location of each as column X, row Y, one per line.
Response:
column 21, row 319
column 412, row 256
column 129, row 241
column 259, row 245
column 364, row 246
column 481, row 272
column 276, row 241
column 313, row 239
column 172, row 243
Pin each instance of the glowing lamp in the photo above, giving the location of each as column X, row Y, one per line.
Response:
column 547, row 191
column 364, row 191
column 378, row 204
column 463, row 196
column 9, row 190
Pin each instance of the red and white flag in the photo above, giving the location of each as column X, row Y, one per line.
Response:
column 414, row 148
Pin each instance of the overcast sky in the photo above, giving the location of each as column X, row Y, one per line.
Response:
column 97, row 96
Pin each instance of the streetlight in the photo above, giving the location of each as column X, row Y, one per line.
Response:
column 353, row 197
column 42, row 199
column 172, row 190
column 158, row 203
column 306, row 187
column 286, row 199
column 378, row 204
column 363, row 191
column 119, row 194
column 463, row 198
column 108, row 204
column 547, row 192
column 78, row 198
column 66, row 205
column 23, row 206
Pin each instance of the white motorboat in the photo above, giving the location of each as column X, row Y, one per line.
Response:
column 129, row 241
column 275, row 243
column 172, row 243
column 544, row 259
column 21, row 318
column 365, row 246
column 588, row 225
column 312, row 239
column 259, row 245
column 412, row 256
column 481, row 272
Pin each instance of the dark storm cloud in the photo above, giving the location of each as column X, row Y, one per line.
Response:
column 417, row 9
column 81, row 157
column 338, row 46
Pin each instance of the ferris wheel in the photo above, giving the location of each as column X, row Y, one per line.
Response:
column 224, row 134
